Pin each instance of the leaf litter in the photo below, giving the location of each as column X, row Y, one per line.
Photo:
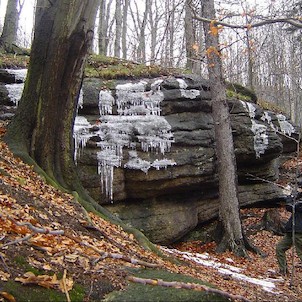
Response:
column 49, row 230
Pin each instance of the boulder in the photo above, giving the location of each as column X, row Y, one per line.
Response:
column 145, row 149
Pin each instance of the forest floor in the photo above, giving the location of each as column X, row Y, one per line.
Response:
column 47, row 242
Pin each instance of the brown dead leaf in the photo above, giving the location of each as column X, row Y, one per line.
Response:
column 8, row 296
column 46, row 281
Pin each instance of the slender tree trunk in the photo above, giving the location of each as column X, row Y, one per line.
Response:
column 102, row 30
column 42, row 126
column 232, row 237
column 142, row 39
column 10, row 27
column 118, row 28
column 124, row 29
column 189, row 36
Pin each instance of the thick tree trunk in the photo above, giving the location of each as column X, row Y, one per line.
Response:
column 232, row 236
column 42, row 126
column 10, row 27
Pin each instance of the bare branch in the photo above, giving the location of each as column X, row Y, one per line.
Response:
column 287, row 20
column 183, row 285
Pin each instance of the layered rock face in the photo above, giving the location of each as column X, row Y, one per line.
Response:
column 145, row 150
column 169, row 120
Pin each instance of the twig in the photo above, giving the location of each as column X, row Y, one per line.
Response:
column 40, row 230
column 113, row 255
column 183, row 285
column 265, row 180
column 4, row 264
column 27, row 237
column 64, row 286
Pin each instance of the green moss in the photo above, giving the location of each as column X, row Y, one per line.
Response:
column 34, row 293
column 235, row 90
column 13, row 61
column 22, row 263
column 270, row 106
column 115, row 68
column 139, row 292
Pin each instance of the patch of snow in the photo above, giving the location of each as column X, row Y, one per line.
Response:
column 20, row 74
column 260, row 138
column 259, row 130
column 266, row 117
column 182, row 83
column 190, row 94
column 225, row 269
column 285, row 127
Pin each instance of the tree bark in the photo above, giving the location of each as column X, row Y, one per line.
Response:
column 42, row 126
column 232, row 236
column 10, row 27
column 125, row 26
column 118, row 28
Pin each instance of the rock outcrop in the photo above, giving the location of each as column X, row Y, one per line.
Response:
column 145, row 150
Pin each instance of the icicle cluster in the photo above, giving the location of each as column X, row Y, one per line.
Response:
column 260, row 130
column 131, row 120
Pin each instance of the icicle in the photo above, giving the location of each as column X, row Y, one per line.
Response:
column 138, row 120
column 81, row 135
column 81, row 99
column 106, row 101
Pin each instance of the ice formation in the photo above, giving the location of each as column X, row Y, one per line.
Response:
column 259, row 130
column 15, row 92
column 131, row 120
column 81, row 134
column 285, row 127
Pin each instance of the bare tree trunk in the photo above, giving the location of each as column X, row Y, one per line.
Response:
column 141, row 51
column 124, row 29
column 189, row 36
column 153, row 19
column 232, row 236
column 10, row 27
column 118, row 28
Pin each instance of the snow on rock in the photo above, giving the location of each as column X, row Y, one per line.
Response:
column 259, row 130
column 20, row 74
column 225, row 269
column 285, row 127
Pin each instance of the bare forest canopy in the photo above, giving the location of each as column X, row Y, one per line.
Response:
column 165, row 33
